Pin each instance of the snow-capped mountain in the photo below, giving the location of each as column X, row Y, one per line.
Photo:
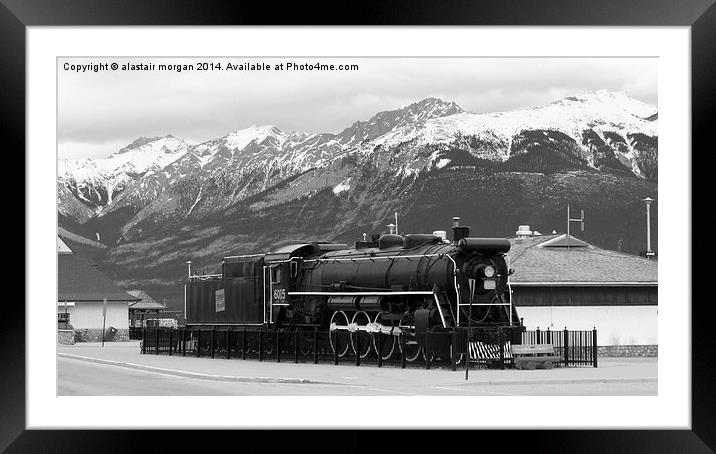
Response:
column 165, row 176
column 601, row 111
column 95, row 182
column 591, row 120
column 242, row 163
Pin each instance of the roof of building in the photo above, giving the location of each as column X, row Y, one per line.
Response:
column 567, row 260
column 145, row 302
column 78, row 280
column 62, row 247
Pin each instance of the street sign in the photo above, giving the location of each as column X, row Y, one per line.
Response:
column 104, row 317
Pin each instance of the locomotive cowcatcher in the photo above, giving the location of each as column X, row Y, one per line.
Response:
column 390, row 285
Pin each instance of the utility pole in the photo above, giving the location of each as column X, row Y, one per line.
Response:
column 647, row 201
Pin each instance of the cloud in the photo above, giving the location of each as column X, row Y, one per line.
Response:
column 99, row 110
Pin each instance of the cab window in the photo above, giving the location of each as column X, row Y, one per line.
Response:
column 275, row 275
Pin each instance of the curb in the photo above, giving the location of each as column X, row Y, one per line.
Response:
column 197, row 375
column 564, row 381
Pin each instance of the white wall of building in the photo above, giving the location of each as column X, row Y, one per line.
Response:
column 88, row 315
column 616, row 325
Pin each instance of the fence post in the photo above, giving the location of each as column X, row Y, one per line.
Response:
column 278, row 346
column 211, row 344
column 156, row 339
column 228, row 343
column 453, row 343
column 549, row 336
column 380, row 349
column 295, row 346
column 171, row 341
column 261, row 345
column 595, row 350
column 357, row 348
column 144, row 340
column 183, row 341
column 197, row 353
column 501, row 339
column 315, row 345
column 467, row 353
column 402, row 350
column 566, row 347
column 538, row 335
column 427, row 350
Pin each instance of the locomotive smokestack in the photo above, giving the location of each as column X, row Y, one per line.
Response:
column 459, row 232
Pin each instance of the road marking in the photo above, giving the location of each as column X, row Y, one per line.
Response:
column 464, row 390
column 381, row 390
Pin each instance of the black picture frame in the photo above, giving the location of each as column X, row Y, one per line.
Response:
column 700, row 15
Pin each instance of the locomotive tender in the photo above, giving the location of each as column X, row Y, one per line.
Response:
column 392, row 285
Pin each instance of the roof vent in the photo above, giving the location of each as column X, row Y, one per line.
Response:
column 523, row 231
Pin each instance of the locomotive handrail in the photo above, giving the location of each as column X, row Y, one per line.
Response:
column 388, row 292
column 385, row 257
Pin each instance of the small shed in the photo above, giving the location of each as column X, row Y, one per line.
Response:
column 144, row 308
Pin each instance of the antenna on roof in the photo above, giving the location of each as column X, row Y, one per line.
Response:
column 570, row 220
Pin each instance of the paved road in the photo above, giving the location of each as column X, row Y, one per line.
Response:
column 80, row 377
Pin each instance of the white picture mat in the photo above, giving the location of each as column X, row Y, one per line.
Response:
column 670, row 409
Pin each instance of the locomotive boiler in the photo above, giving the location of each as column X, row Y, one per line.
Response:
column 392, row 285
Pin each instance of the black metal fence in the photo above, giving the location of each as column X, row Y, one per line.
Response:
column 482, row 348
column 135, row 333
column 577, row 348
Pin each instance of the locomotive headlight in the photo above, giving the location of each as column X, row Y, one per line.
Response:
column 488, row 271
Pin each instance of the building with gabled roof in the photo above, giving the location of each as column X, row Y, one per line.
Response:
column 561, row 280
column 81, row 292
column 143, row 309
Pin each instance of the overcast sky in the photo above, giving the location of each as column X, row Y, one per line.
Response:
column 100, row 112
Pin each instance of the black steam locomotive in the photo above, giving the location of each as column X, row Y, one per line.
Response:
column 391, row 285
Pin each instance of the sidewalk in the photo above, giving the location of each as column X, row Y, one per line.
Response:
column 127, row 354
